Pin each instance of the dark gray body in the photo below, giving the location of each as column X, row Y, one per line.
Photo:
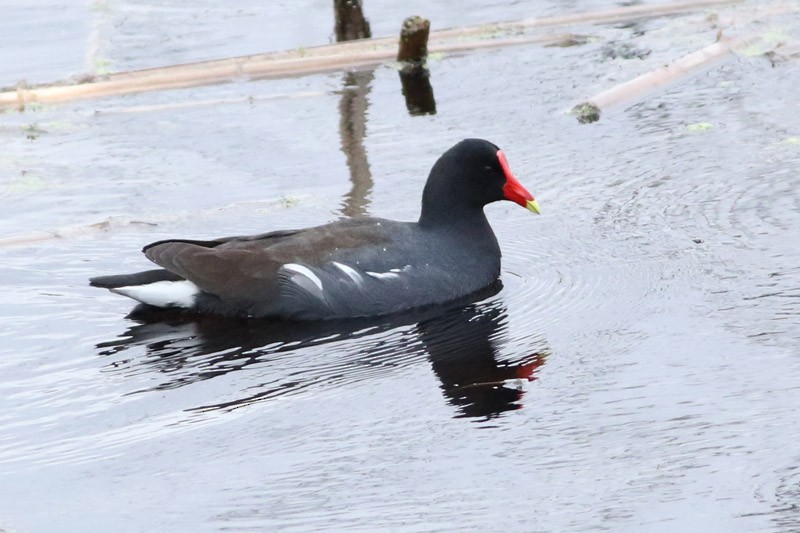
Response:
column 360, row 267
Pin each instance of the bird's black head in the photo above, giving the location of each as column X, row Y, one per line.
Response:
column 468, row 176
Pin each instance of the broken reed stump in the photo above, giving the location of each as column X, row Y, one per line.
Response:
column 413, row 50
column 412, row 55
column 350, row 21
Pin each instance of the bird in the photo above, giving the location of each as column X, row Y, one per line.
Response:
column 359, row 267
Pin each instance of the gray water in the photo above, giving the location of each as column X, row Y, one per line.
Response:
column 638, row 371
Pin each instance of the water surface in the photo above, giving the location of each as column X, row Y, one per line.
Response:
column 638, row 370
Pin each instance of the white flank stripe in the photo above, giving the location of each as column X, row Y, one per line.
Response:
column 393, row 273
column 383, row 275
column 350, row 271
column 162, row 293
column 304, row 271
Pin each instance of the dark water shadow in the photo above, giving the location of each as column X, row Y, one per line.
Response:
column 462, row 343
column 418, row 92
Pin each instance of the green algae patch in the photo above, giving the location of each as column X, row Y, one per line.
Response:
column 700, row 127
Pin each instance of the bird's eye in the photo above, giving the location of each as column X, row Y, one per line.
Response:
column 487, row 167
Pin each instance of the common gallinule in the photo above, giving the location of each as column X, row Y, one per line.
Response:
column 358, row 267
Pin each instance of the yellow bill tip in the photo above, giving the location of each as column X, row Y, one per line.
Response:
column 533, row 205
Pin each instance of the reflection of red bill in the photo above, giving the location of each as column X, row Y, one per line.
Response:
column 527, row 370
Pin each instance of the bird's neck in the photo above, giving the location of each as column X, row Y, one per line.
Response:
column 461, row 218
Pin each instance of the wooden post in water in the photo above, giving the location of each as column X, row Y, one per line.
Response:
column 350, row 21
column 414, row 75
column 413, row 51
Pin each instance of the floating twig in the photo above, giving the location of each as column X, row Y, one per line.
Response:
column 212, row 102
column 360, row 53
column 124, row 222
column 604, row 16
column 72, row 231
column 636, row 88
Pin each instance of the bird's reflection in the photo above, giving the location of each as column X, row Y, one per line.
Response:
column 463, row 348
column 462, row 344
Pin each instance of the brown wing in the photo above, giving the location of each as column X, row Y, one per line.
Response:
column 240, row 276
column 238, row 269
column 244, row 270
column 271, row 236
